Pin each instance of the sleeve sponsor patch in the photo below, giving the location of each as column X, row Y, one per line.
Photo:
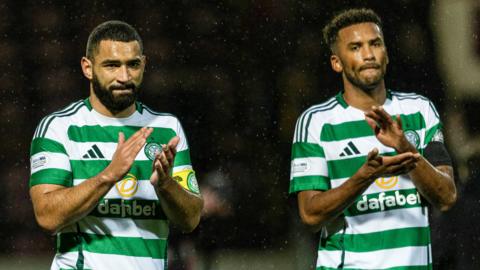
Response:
column 187, row 179
column 300, row 166
column 38, row 161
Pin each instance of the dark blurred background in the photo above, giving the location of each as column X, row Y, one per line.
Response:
column 237, row 74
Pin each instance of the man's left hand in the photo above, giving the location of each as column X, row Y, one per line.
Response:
column 163, row 163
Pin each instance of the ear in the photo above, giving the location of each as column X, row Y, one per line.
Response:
column 87, row 67
column 336, row 63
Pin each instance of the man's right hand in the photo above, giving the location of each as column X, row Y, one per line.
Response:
column 125, row 154
column 377, row 166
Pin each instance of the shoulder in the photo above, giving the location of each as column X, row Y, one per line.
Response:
column 59, row 119
column 321, row 112
column 312, row 120
column 421, row 103
column 410, row 97
column 160, row 119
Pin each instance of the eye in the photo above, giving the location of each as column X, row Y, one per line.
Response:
column 377, row 43
column 354, row 47
column 111, row 65
column 134, row 64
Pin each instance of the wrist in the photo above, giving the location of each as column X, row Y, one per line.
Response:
column 405, row 146
column 164, row 184
column 107, row 177
column 362, row 177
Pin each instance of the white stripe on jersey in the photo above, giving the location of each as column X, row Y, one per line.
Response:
column 314, row 166
column 52, row 161
column 392, row 219
column 406, row 256
column 144, row 228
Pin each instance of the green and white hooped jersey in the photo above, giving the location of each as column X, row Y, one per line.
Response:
column 127, row 229
column 387, row 226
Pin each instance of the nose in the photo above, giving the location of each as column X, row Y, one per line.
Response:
column 123, row 74
column 367, row 53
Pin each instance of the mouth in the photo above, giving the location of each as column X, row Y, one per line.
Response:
column 122, row 89
column 128, row 88
column 370, row 67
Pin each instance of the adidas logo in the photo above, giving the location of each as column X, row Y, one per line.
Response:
column 350, row 150
column 94, row 152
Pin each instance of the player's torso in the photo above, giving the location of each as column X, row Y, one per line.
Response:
column 389, row 210
column 127, row 226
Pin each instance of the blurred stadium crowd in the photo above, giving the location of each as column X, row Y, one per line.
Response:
column 237, row 74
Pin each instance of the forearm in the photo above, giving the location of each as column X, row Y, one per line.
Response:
column 58, row 207
column 323, row 207
column 435, row 184
column 181, row 207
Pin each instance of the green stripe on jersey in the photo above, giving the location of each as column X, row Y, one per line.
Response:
column 46, row 145
column 360, row 128
column 107, row 244
column 337, row 132
column 408, row 237
column 99, row 133
column 182, row 158
column 309, row 183
column 52, row 176
column 305, row 150
column 343, row 168
column 142, row 169
column 384, row 201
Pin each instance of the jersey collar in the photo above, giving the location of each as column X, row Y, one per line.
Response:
column 138, row 105
column 345, row 105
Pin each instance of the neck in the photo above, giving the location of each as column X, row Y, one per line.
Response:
column 98, row 106
column 364, row 100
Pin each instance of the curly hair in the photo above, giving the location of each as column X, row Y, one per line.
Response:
column 345, row 19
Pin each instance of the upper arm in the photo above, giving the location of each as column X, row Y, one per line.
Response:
column 309, row 169
column 49, row 160
column 50, row 168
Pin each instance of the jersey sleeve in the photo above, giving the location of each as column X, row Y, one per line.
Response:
column 183, row 171
column 433, row 125
column 308, row 164
column 49, row 161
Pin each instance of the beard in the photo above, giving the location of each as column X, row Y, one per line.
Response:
column 366, row 84
column 115, row 103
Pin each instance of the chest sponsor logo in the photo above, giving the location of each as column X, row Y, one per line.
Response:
column 128, row 186
column 124, row 208
column 386, row 182
column 383, row 201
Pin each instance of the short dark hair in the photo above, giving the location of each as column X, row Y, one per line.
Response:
column 345, row 19
column 111, row 30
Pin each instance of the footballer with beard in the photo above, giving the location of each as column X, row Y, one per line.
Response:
column 108, row 174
